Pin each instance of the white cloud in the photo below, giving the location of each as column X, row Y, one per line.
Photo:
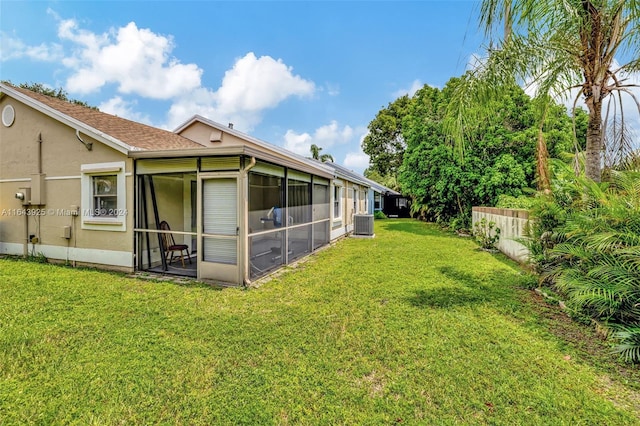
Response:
column 357, row 161
column 255, row 84
column 14, row 48
column 252, row 86
column 325, row 137
column 121, row 108
column 415, row 86
column 137, row 60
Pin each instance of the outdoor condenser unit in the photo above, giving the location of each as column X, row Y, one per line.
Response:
column 363, row 224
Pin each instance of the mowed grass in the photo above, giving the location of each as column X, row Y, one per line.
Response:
column 414, row 327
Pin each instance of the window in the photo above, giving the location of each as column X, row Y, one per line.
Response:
column 105, row 195
column 337, row 202
column 103, row 201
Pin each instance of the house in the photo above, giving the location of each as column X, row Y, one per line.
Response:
column 85, row 187
column 375, row 195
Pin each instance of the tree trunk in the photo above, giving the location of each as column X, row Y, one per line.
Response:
column 542, row 164
column 593, row 153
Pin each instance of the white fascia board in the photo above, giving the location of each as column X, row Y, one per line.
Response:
column 96, row 134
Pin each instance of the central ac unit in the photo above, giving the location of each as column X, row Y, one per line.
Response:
column 363, row 224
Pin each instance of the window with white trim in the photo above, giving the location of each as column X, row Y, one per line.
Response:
column 103, row 203
column 337, row 202
column 105, row 195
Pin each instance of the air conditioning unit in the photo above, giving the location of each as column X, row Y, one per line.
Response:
column 363, row 224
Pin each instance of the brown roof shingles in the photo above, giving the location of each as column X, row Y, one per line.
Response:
column 137, row 135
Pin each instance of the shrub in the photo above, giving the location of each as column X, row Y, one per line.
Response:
column 379, row 215
column 486, row 234
column 585, row 240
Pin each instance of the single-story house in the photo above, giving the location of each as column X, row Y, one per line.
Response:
column 85, row 187
column 375, row 194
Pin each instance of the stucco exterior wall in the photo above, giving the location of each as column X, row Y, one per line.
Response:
column 62, row 156
column 512, row 223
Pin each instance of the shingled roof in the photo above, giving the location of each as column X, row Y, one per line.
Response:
column 138, row 136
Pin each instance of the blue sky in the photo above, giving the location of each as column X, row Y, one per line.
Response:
column 290, row 73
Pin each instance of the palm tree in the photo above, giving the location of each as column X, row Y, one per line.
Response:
column 315, row 154
column 315, row 151
column 555, row 46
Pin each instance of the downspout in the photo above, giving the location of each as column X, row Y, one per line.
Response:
column 245, row 234
column 26, row 217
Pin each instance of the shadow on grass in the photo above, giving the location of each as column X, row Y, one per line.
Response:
column 415, row 227
column 469, row 290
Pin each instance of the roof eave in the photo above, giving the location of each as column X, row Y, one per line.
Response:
column 77, row 125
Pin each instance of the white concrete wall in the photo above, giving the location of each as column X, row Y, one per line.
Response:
column 512, row 224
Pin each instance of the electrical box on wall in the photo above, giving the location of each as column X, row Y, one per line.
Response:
column 37, row 189
column 66, row 232
column 24, row 195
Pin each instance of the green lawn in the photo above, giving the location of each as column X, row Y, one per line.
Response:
column 415, row 326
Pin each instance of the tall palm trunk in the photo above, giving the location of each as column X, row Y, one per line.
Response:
column 593, row 153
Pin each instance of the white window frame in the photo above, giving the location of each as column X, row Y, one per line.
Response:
column 90, row 220
column 337, row 198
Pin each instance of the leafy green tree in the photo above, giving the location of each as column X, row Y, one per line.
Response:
column 384, row 144
column 499, row 158
column 388, row 181
column 555, row 45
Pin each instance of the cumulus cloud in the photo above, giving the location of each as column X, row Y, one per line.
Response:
column 325, row 137
column 259, row 83
column 139, row 63
column 253, row 85
column 135, row 59
column 415, row 86
column 357, row 161
column 14, row 48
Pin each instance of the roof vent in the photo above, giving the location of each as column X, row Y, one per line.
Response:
column 231, row 125
column 215, row 136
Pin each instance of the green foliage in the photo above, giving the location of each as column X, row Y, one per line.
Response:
column 38, row 257
column 379, row 215
column 585, row 241
column 315, row 154
column 629, row 347
column 523, row 202
column 486, row 234
column 384, row 144
column 390, row 181
column 59, row 93
column 499, row 159
column 556, row 45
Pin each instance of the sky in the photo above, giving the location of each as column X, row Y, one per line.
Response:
column 290, row 73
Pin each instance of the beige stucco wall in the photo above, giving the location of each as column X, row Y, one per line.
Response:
column 62, row 157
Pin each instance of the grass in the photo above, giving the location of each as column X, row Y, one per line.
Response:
column 414, row 327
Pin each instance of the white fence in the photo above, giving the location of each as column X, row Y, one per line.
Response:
column 512, row 224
